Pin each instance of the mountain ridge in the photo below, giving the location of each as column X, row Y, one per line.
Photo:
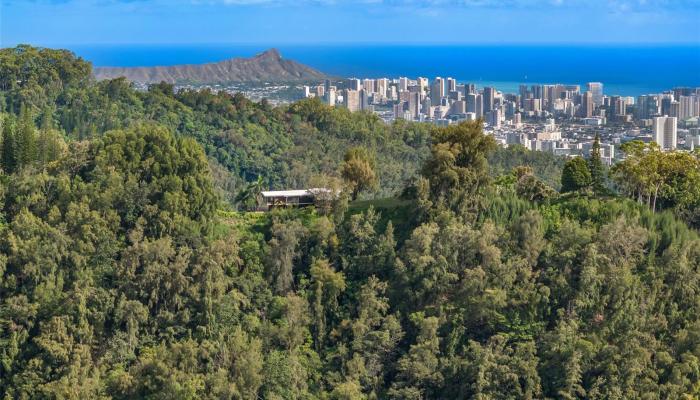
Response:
column 266, row 66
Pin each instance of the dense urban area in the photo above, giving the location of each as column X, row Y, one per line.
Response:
column 557, row 118
column 561, row 119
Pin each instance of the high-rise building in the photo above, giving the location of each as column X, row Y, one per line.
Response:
column 368, row 85
column 437, row 90
column 618, row 106
column 364, row 99
column 596, row 88
column 549, row 94
column 536, row 91
column 688, row 106
column 403, row 84
column 493, row 118
column 682, row 91
column 674, row 109
column 665, row 132
column 648, row 106
column 330, row 96
column 587, row 105
column 414, row 104
column 559, row 91
column 479, row 106
column 524, row 95
column 382, row 86
column 475, row 104
column 511, row 107
column 666, row 100
column 571, row 89
column 451, row 85
column 392, row 93
column 422, row 85
column 469, row 88
column 354, row 84
column 351, row 100
column 489, row 98
column 533, row 105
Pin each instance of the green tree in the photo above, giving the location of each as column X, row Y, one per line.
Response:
column 419, row 373
column 26, row 139
column 575, row 175
column 457, row 168
column 595, row 166
column 50, row 144
column 372, row 337
column 284, row 251
column 327, row 286
column 357, row 170
column 530, row 187
column 660, row 179
column 8, row 152
column 249, row 197
column 498, row 369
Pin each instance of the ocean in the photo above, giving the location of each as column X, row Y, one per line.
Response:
column 628, row 70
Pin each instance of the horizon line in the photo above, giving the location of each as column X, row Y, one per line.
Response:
column 272, row 44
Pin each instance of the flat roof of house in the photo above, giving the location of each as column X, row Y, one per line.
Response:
column 287, row 193
column 293, row 193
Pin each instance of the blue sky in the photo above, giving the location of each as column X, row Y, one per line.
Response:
column 79, row 22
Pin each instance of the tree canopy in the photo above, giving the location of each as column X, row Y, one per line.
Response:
column 126, row 274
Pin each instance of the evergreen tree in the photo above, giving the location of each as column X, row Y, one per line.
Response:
column 595, row 165
column 8, row 153
column 26, row 139
column 46, row 138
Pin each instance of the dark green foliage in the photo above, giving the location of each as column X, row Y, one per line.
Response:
column 457, row 170
column 121, row 277
column 249, row 197
column 596, row 167
column 575, row 175
column 25, row 144
column 8, row 152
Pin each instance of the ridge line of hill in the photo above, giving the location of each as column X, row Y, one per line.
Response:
column 266, row 66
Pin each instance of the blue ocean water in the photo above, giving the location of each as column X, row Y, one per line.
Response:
column 623, row 69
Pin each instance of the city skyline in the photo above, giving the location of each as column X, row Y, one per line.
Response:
column 531, row 116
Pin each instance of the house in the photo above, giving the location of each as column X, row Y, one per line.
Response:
column 290, row 198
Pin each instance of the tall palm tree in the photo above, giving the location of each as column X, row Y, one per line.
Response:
column 249, row 197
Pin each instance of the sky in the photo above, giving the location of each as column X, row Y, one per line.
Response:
column 91, row 22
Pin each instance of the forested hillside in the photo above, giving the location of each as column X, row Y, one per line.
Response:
column 125, row 273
